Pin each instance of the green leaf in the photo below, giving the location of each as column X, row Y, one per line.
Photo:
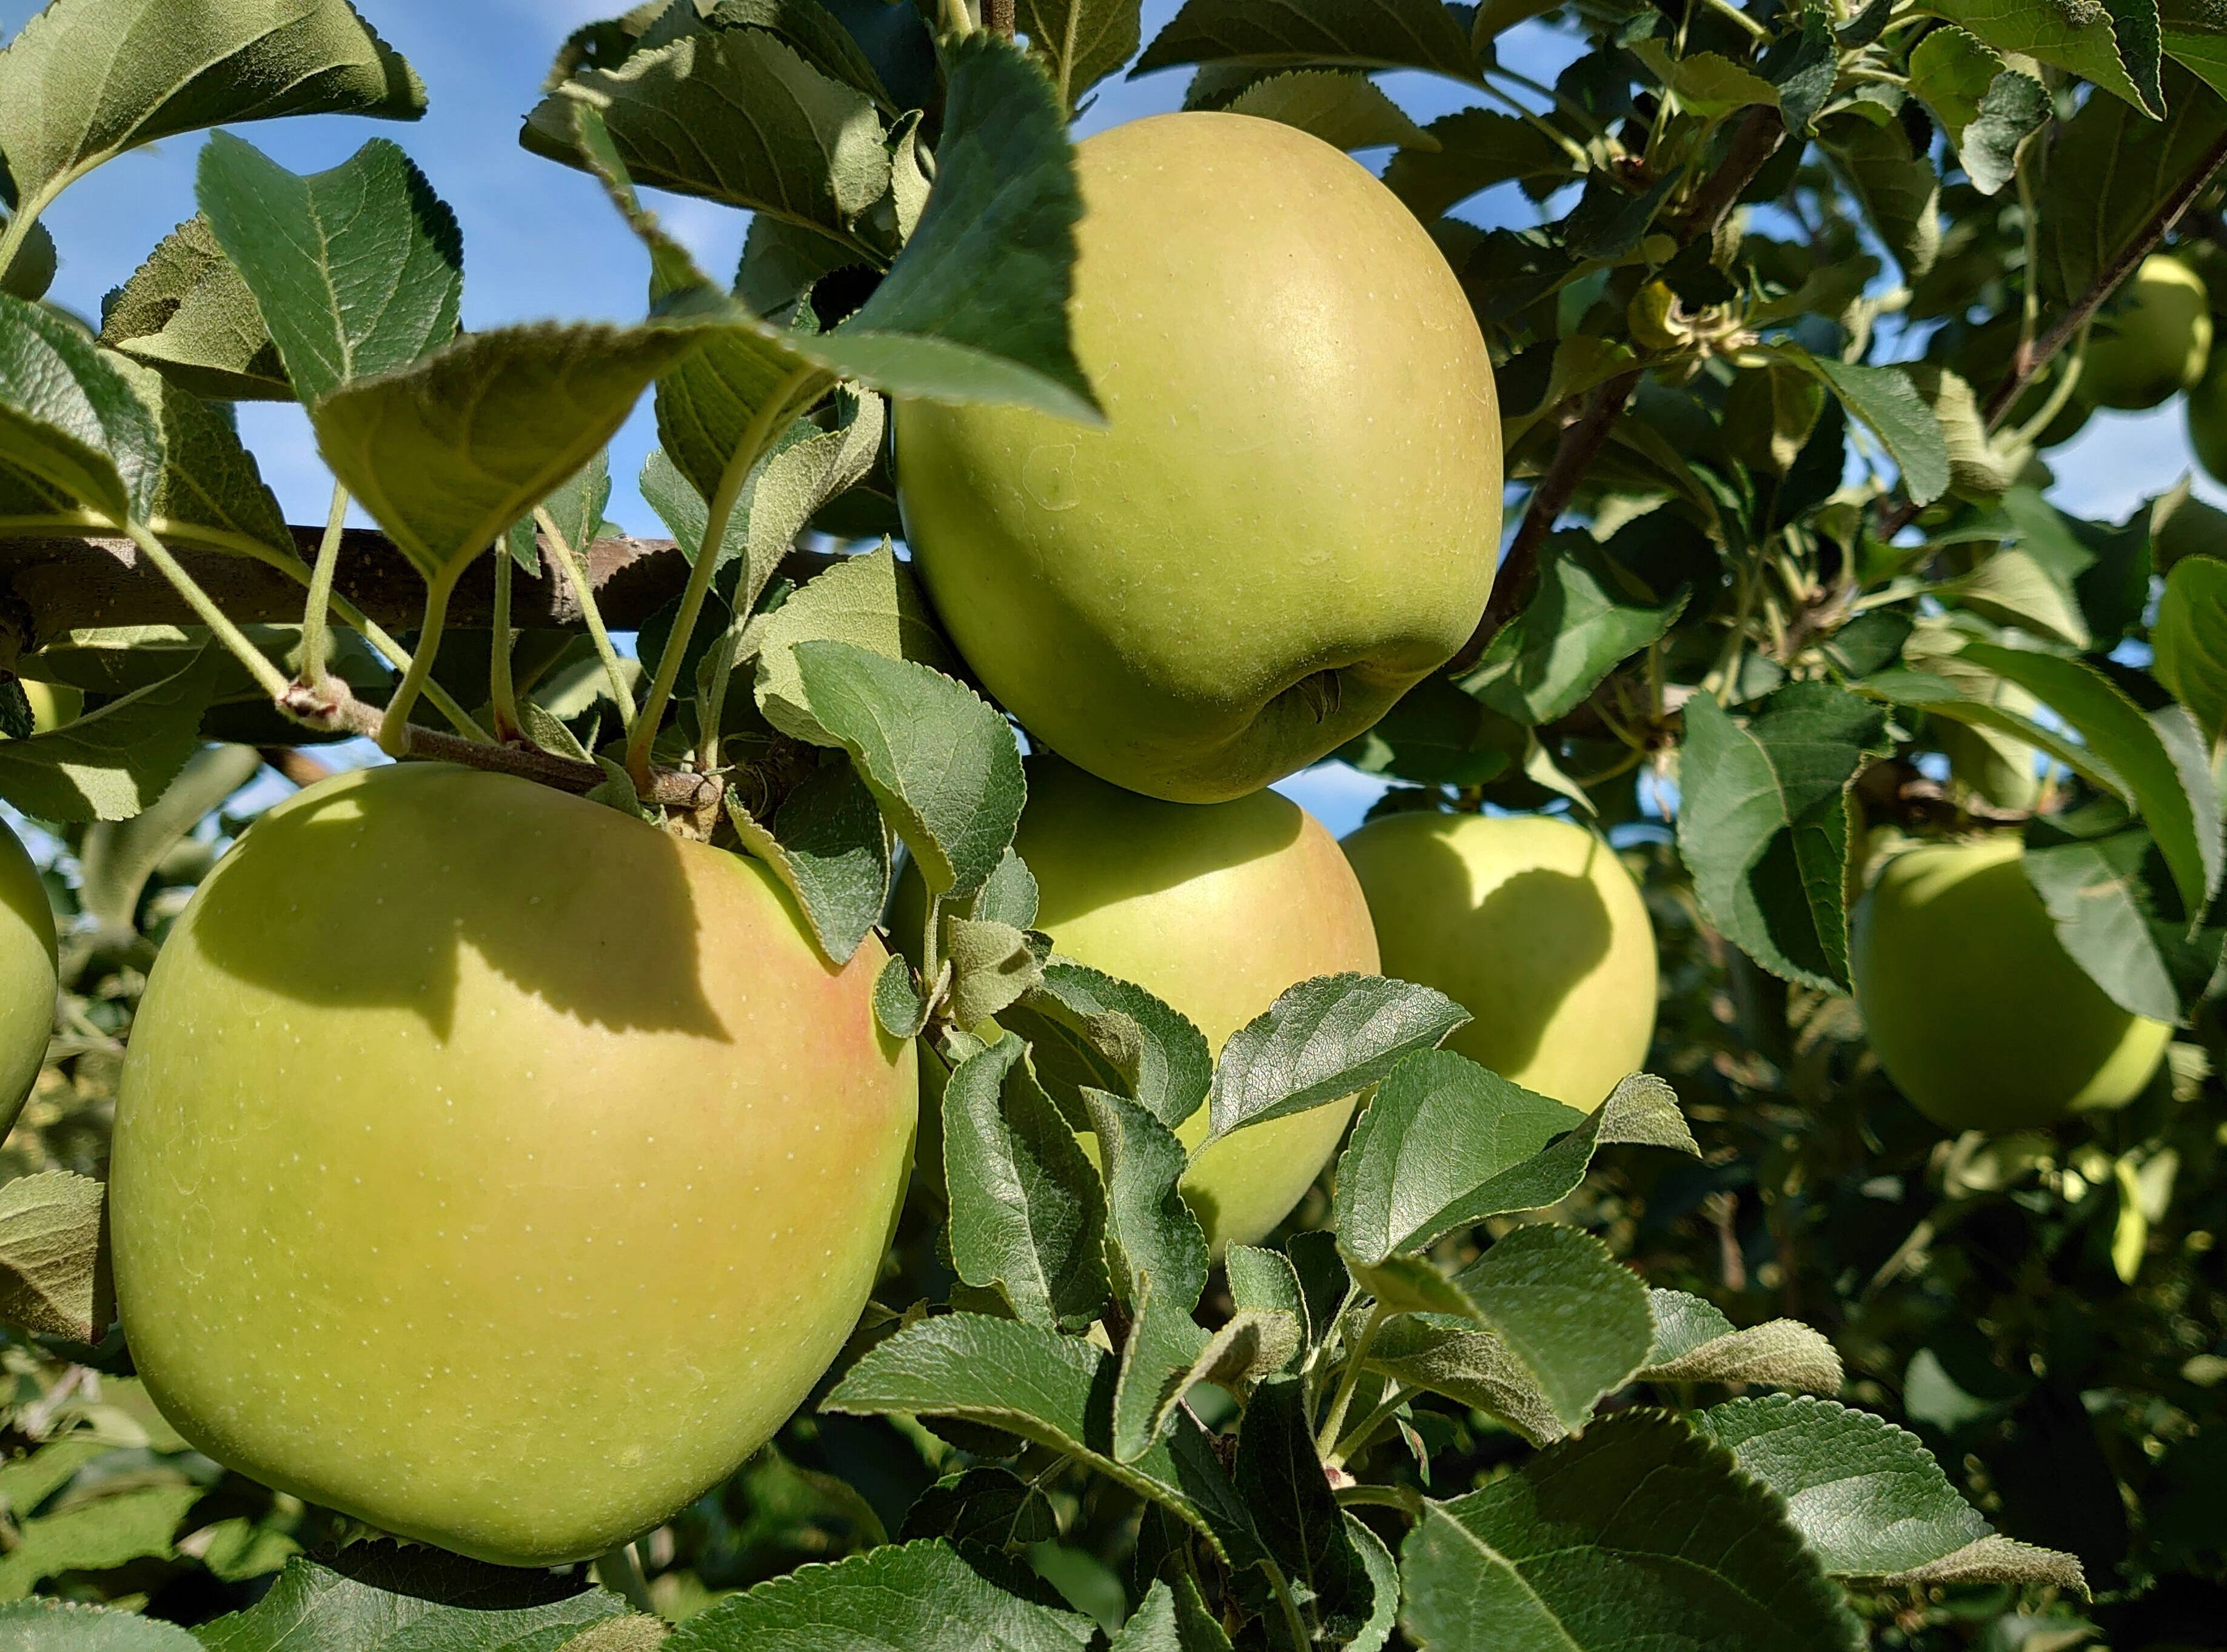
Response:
column 1152, row 1232
column 1436, row 735
column 1576, row 628
column 1770, row 414
column 829, row 846
column 1091, row 1031
column 447, row 454
column 1344, row 108
column 2194, row 36
column 1899, row 189
column 1693, row 1342
column 2157, row 759
column 1055, row 1390
column 355, row 271
column 1009, row 896
column 2189, row 636
column 1171, row 1620
column 1082, row 41
column 116, row 858
column 1886, row 400
column 1158, row 1358
column 872, row 603
column 1869, row 1498
column 1370, row 33
column 58, row 1626
column 87, row 80
column 115, row 762
column 736, row 116
column 922, row 1596
column 1765, row 824
column 1986, row 108
column 53, row 1276
column 1279, row 1474
column 1264, row 1281
column 386, row 1597
column 2013, row 586
column 2109, row 894
column 1447, row 1143
column 70, row 421
column 986, row 1507
column 209, row 491
column 1557, row 1324
column 2075, row 35
column 96, row 1535
column 993, row 963
column 1321, row 1041
column 944, row 766
column 1470, row 150
column 187, row 312
column 1642, row 1512
column 1707, row 84
column 1028, row 1214
column 899, row 1004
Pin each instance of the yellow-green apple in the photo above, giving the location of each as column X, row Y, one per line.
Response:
column 1292, row 514
column 52, row 704
column 496, row 1168
column 2207, row 420
column 1532, row 924
column 2155, row 342
column 1974, row 1008
column 1215, row 908
column 27, row 976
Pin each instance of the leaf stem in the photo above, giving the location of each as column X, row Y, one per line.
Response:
column 502, row 689
column 1294, row 1625
column 393, row 728
column 317, row 614
column 267, row 676
column 1358, row 1435
column 621, row 1572
column 740, row 464
column 572, row 562
column 1350, row 1379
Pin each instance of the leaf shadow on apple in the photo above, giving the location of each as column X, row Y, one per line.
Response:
column 595, row 917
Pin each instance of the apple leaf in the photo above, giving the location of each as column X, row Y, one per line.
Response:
column 210, row 490
column 1264, row 1281
column 1573, row 631
column 829, row 846
column 1342, row 107
column 1373, row 34
column 1055, row 1390
column 2111, row 901
column 2195, row 38
column 1447, row 1143
column 116, row 858
column 921, row 1596
column 1080, row 42
column 47, row 1626
column 1694, row 1343
column 1988, row 109
column 1152, row 1232
column 87, row 80
column 993, row 963
column 1320, row 1042
column 384, row 1596
column 448, row 453
column 1168, row 1622
column 355, row 271
column 1028, row 1214
column 2076, row 38
column 576, row 507
column 1090, row 1030
column 1707, row 84
column 1641, row 1510
column 97, row 1535
column 1008, row 895
column 2190, row 635
column 944, row 766
column 986, row 1508
column 1470, row 151
column 53, row 1273
column 187, row 313
column 1279, row 1474
column 1886, row 400
column 70, row 421
column 114, row 761
column 1764, row 824
column 1158, row 1357
column 1869, row 1498
column 1555, row 1324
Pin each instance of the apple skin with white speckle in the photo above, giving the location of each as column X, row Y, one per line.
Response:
column 494, row 1168
column 27, row 976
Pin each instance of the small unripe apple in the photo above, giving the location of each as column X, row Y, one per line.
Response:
column 1293, row 513
column 2154, row 343
column 496, row 1168
column 27, row 976
column 1975, row 1010
column 1531, row 924
column 1215, row 908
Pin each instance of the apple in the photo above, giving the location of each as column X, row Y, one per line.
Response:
column 1292, row 514
column 2207, row 422
column 1976, row 1012
column 1531, row 924
column 2156, row 341
column 52, row 704
column 1215, row 908
column 27, row 977
column 496, row 1168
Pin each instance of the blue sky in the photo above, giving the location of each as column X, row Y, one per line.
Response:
column 540, row 241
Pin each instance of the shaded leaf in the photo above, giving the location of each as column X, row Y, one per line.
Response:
column 386, row 1597
column 828, row 845
column 1576, row 628
column 1693, row 1342
column 187, row 312
column 1346, row 109
column 53, row 1273
column 1376, row 34
column 69, row 420
column 115, row 762
column 1090, row 1029
column 872, row 602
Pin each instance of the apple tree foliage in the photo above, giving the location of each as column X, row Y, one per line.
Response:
column 1802, row 289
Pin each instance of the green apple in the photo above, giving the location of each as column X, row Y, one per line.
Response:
column 2207, row 422
column 1215, row 908
column 2156, row 340
column 494, row 1167
column 1292, row 514
column 27, row 977
column 1976, row 1012
column 52, row 704
column 1532, row 924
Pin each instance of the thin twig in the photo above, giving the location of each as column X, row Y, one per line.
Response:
column 997, row 17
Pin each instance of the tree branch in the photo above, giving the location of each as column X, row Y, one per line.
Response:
column 1754, row 142
column 51, row 586
column 997, row 17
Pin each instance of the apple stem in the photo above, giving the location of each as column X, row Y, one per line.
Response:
column 392, row 739
column 317, row 614
column 503, row 688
